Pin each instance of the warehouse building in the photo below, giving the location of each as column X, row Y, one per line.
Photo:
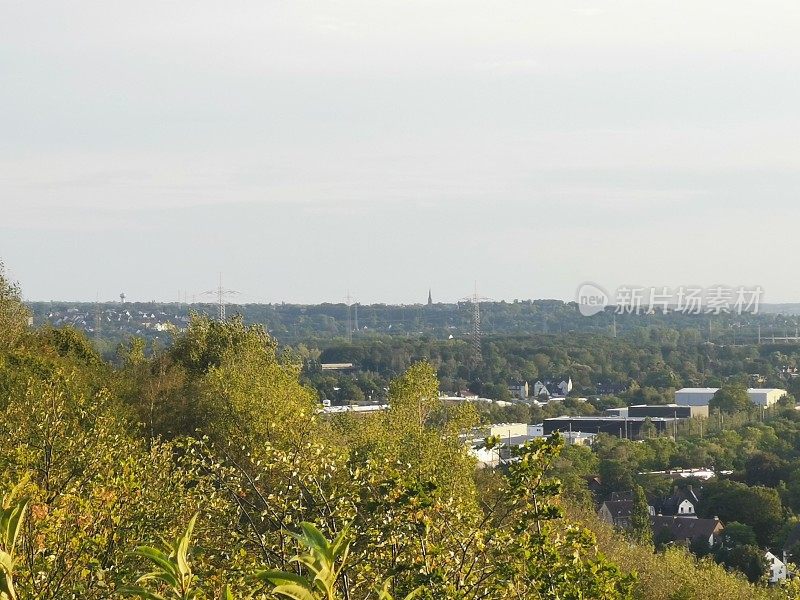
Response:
column 667, row 410
column 630, row 427
column 701, row 396
column 694, row 396
column 765, row 396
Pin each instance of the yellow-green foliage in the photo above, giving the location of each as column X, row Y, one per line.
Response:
column 221, row 425
column 674, row 574
column 13, row 314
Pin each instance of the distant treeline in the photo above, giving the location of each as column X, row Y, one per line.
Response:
column 295, row 323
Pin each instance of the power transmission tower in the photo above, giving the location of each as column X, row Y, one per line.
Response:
column 221, row 293
column 349, row 301
column 476, row 300
column 476, row 324
column 98, row 317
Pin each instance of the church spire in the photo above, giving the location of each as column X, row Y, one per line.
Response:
column 430, row 298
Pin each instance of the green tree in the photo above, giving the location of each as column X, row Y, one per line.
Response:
column 648, row 429
column 764, row 468
column 236, row 389
column 641, row 530
column 616, row 475
column 13, row 314
column 747, row 559
column 731, row 398
column 172, row 572
column 759, row 507
column 738, row 534
column 349, row 392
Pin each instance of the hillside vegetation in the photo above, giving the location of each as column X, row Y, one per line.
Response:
column 204, row 470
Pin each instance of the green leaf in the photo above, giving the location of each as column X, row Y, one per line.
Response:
column 226, row 593
column 158, row 558
column 183, row 549
column 167, row 578
column 139, row 592
column 314, row 539
column 295, row 592
column 281, row 577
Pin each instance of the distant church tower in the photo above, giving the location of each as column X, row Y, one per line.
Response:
column 430, row 298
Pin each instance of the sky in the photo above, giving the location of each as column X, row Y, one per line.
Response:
column 310, row 149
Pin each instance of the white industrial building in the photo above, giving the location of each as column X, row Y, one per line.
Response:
column 694, row 396
column 701, row 396
column 507, row 430
column 765, row 396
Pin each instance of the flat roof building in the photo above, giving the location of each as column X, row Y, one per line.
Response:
column 702, row 396
column 616, row 411
column 694, row 396
column 667, row 410
column 506, row 430
column 765, row 396
column 622, row 427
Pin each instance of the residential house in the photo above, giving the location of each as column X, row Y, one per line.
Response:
column 685, row 531
column 777, row 568
column 552, row 387
column 594, row 484
column 682, row 503
column 565, row 386
column 518, row 389
column 616, row 512
column 540, row 389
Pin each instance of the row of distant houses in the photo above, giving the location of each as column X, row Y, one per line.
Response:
column 559, row 387
column 675, row 518
column 521, row 390
column 681, row 503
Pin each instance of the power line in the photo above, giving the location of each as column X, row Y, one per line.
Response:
column 221, row 293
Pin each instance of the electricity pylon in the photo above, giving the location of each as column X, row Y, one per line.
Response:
column 476, row 300
column 221, row 293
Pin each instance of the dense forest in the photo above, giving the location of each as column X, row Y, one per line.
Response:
column 640, row 369
column 204, row 468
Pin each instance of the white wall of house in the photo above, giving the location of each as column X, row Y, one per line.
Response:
column 685, row 508
column 777, row 568
column 519, row 391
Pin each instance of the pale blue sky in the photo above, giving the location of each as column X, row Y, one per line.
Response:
column 307, row 148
